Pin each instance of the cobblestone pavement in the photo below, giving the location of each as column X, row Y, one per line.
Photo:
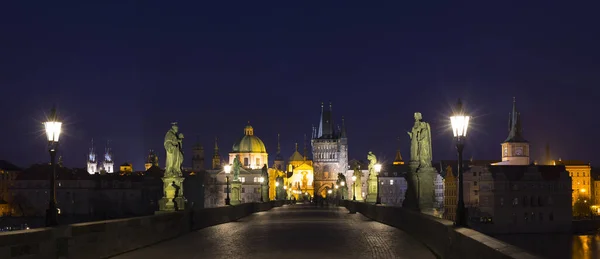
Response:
column 289, row 232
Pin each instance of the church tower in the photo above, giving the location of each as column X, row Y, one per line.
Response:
column 398, row 159
column 515, row 149
column 198, row 157
column 279, row 164
column 92, row 163
column 216, row 159
column 108, row 164
column 330, row 152
column 151, row 160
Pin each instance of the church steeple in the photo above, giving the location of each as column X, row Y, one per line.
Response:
column 216, row 160
column 278, row 163
column 108, row 163
column 514, row 125
column 343, row 133
column 398, row 160
column 92, row 162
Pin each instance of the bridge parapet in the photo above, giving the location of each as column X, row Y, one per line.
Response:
column 101, row 239
column 440, row 235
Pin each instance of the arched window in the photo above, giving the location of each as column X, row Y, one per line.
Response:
column 245, row 161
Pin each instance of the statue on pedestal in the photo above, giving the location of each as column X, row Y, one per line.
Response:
column 173, row 198
column 265, row 185
column 357, row 185
column 372, row 184
column 420, row 142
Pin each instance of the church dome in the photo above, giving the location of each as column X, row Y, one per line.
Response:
column 249, row 143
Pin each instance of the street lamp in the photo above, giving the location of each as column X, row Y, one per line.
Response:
column 276, row 190
column 52, row 127
column 378, row 169
column 343, row 184
column 354, row 187
column 261, row 180
column 460, row 124
column 227, row 169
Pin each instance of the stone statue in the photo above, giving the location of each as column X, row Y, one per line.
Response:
column 358, row 174
column 174, row 150
column 372, row 161
column 236, row 168
column 420, row 142
column 265, row 173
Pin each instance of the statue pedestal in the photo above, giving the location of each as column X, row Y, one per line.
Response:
column 173, row 198
column 372, row 189
column 236, row 192
column 265, row 193
column 427, row 189
column 411, row 197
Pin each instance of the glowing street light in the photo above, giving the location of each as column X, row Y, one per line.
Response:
column 460, row 124
column 53, row 129
column 227, row 169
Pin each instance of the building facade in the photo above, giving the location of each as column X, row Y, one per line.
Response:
column 581, row 175
column 330, row 152
column 250, row 149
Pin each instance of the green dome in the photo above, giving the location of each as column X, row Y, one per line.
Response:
column 249, row 143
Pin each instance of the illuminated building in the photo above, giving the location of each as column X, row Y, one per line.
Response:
column 330, row 152
column 515, row 149
column 92, row 162
column 151, row 160
column 300, row 184
column 126, row 168
column 581, row 175
column 450, row 194
column 250, row 149
column 108, row 163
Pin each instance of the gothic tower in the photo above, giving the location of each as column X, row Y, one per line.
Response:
column 515, row 149
column 108, row 164
column 330, row 152
column 216, row 159
column 92, row 163
column 198, row 157
column 279, row 164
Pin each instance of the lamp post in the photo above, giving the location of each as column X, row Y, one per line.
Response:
column 261, row 180
column 378, row 169
column 460, row 124
column 53, row 127
column 276, row 190
column 354, row 187
column 343, row 185
column 227, row 169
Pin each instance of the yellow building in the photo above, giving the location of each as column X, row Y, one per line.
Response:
column 300, row 184
column 450, row 195
column 580, row 173
column 250, row 149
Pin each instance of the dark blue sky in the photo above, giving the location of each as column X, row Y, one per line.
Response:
column 124, row 71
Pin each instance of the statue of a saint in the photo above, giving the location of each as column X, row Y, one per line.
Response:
column 420, row 142
column 358, row 174
column 174, row 150
column 372, row 161
column 304, row 179
column 236, row 168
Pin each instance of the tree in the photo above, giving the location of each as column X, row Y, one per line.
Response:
column 581, row 208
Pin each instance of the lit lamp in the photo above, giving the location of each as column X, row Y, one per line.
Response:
column 343, row 184
column 261, row 180
column 227, row 169
column 460, row 124
column 53, row 127
column 378, row 169
column 354, row 187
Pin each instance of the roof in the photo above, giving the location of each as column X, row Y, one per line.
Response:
column 296, row 156
column 8, row 166
column 249, row 143
column 571, row 162
column 516, row 172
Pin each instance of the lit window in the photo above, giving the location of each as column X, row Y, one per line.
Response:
column 243, row 179
column 391, row 182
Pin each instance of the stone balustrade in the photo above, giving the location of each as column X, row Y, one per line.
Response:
column 102, row 239
column 440, row 235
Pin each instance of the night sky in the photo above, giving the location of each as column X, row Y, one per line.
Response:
column 124, row 71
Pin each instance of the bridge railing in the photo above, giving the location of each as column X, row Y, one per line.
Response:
column 102, row 239
column 439, row 235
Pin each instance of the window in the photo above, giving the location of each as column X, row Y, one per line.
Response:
column 514, row 218
column 475, row 183
column 525, row 216
column 501, row 202
column 243, row 179
column 541, row 217
column 255, row 179
column 257, row 161
column 474, row 173
column 391, row 182
column 577, row 174
column 243, row 190
column 245, row 161
column 515, row 201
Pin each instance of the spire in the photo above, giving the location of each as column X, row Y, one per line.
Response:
column 515, row 130
column 296, row 146
column 343, row 133
column 305, row 148
column 216, row 146
column 320, row 131
column 278, row 145
column 398, row 160
column 92, row 154
column 107, row 153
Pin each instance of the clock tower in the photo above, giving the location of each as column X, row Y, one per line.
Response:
column 515, row 149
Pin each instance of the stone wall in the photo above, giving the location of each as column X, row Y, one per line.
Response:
column 440, row 235
column 103, row 239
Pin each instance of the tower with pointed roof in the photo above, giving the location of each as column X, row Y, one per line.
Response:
column 92, row 162
column 330, row 152
column 216, row 159
column 108, row 164
column 197, row 157
column 278, row 163
column 151, row 160
column 515, row 149
column 398, row 159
